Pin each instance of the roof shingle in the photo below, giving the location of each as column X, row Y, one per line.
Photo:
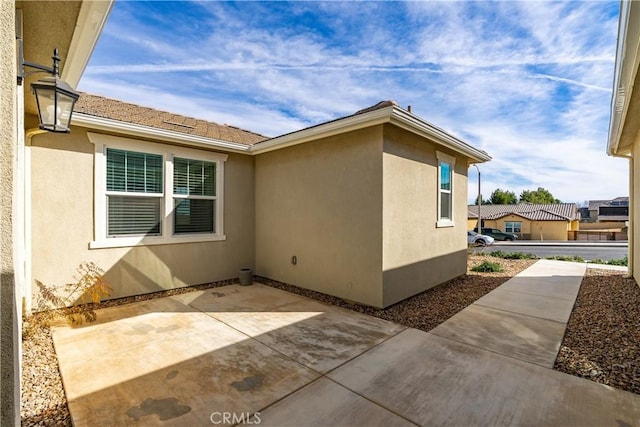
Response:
column 531, row 211
column 99, row 106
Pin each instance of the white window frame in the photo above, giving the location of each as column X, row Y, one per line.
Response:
column 513, row 222
column 451, row 160
column 177, row 196
column 100, row 238
column 110, row 193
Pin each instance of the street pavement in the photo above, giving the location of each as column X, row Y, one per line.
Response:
column 606, row 250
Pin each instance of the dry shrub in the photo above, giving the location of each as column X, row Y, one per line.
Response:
column 73, row 302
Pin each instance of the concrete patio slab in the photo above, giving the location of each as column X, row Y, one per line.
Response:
column 245, row 351
column 325, row 403
column 526, row 338
column 120, row 328
column 165, row 362
column 242, row 377
column 316, row 335
column 432, row 380
column 237, row 298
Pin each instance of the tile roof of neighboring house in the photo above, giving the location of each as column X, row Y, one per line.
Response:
column 107, row 108
column 531, row 211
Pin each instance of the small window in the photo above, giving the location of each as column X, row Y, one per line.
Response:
column 134, row 193
column 445, row 189
column 194, row 193
column 513, row 226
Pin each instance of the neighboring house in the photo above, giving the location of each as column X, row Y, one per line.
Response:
column 605, row 220
column 615, row 210
column 554, row 221
column 624, row 138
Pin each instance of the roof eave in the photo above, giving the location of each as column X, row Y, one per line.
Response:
column 91, row 20
column 415, row 124
column 141, row 131
column 392, row 114
column 625, row 70
column 347, row 124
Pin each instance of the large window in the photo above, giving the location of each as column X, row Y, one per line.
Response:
column 445, row 189
column 513, row 226
column 149, row 193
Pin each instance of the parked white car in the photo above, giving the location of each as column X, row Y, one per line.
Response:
column 476, row 239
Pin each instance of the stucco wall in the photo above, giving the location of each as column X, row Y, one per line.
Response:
column 417, row 255
column 62, row 225
column 322, row 202
column 9, row 310
column 535, row 230
column 549, row 230
column 500, row 224
column 610, row 225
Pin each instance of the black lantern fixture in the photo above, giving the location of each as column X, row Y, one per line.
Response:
column 55, row 98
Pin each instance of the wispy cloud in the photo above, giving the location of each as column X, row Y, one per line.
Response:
column 529, row 82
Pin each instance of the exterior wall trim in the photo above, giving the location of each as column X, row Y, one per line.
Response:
column 393, row 115
column 134, row 130
column 91, row 20
column 100, row 239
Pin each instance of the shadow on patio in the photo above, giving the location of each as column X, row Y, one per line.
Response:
column 183, row 359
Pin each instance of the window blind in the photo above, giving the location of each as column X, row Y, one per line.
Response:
column 140, row 175
column 194, row 177
column 133, row 215
column 133, row 172
column 194, row 216
column 195, row 182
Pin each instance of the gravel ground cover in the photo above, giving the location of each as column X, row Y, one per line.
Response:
column 602, row 341
column 44, row 402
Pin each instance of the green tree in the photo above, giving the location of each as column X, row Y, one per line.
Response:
column 484, row 201
column 541, row 195
column 502, row 197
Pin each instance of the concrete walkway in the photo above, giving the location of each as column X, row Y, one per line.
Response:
column 259, row 355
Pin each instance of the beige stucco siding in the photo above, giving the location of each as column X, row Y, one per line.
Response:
column 549, row 230
column 322, row 202
column 62, row 171
column 417, row 255
column 606, row 226
column 536, row 230
column 10, row 313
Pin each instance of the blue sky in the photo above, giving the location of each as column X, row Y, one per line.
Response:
column 529, row 82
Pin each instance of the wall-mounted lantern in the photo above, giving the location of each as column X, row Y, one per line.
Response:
column 55, row 98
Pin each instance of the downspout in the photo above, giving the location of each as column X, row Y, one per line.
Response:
column 631, row 226
column 27, row 295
